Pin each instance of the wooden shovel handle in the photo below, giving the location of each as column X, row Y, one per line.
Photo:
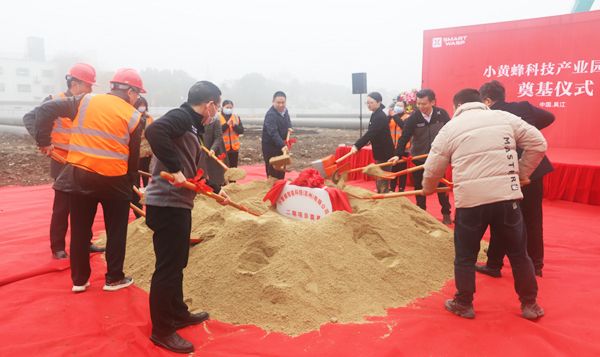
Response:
column 215, row 158
column 404, row 172
column 137, row 210
column 408, row 193
column 344, row 157
column 137, row 191
column 418, row 157
column 57, row 157
column 144, row 173
column 190, row 186
column 383, row 164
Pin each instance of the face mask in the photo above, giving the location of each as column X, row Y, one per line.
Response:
column 142, row 109
column 398, row 109
column 227, row 111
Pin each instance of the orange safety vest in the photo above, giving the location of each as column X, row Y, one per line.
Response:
column 100, row 134
column 396, row 134
column 230, row 137
column 61, row 132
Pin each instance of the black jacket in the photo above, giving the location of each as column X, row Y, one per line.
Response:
column 29, row 121
column 422, row 132
column 77, row 180
column 274, row 132
column 378, row 134
column 536, row 117
column 175, row 142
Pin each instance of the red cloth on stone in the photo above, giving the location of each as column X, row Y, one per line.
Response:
column 275, row 192
column 311, row 178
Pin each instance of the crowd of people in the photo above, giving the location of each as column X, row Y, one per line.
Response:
column 98, row 142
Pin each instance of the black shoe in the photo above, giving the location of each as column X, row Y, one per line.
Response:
column 96, row 249
column 118, row 285
column 447, row 220
column 173, row 343
column 193, row 319
column 538, row 272
column 459, row 309
column 484, row 269
column 531, row 311
column 61, row 254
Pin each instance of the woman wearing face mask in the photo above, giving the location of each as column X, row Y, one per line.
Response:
column 213, row 140
column 231, row 125
column 397, row 115
column 378, row 135
column 145, row 151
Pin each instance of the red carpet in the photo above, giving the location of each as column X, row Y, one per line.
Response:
column 40, row 316
column 576, row 176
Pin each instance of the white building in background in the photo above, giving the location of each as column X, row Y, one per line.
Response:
column 28, row 80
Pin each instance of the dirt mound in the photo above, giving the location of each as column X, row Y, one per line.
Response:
column 293, row 276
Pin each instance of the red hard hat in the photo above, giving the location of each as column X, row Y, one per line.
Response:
column 84, row 72
column 130, row 77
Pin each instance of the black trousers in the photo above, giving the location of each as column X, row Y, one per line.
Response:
column 398, row 182
column 270, row 170
column 506, row 223
column 144, row 165
column 172, row 227
column 233, row 157
column 116, row 216
column 531, row 205
column 422, row 200
column 383, row 186
column 59, row 223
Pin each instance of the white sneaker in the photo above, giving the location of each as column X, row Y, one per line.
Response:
column 118, row 285
column 80, row 288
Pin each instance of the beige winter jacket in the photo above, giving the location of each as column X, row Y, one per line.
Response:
column 481, row 146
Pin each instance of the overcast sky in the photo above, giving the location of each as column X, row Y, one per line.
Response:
column 220, row 40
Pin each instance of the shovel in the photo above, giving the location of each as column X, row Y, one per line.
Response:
column 231, row 173
column 190, row 186
column 407, row 193
column 341, row 174
column 280, row 162
column 137, row 210
column 391, row 176
column 374, row 169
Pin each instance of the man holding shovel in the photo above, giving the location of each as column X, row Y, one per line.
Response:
column 80, row 79
column 420, row 129
column 482, row 144
column 275, row 130
column 176, row 146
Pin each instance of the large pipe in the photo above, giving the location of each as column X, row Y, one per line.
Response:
column 331, row 121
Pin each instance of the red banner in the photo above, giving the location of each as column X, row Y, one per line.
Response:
column 552, row 62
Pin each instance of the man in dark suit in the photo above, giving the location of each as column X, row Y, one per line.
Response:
column 421, row 128
column 493, row 95
column 274, row 133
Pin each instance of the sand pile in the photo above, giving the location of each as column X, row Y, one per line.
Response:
column 292, row 276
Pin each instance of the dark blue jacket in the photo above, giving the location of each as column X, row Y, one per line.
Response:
column 536, row 117
column 275, row 129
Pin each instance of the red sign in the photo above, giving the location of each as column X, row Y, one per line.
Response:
column 552, row 62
